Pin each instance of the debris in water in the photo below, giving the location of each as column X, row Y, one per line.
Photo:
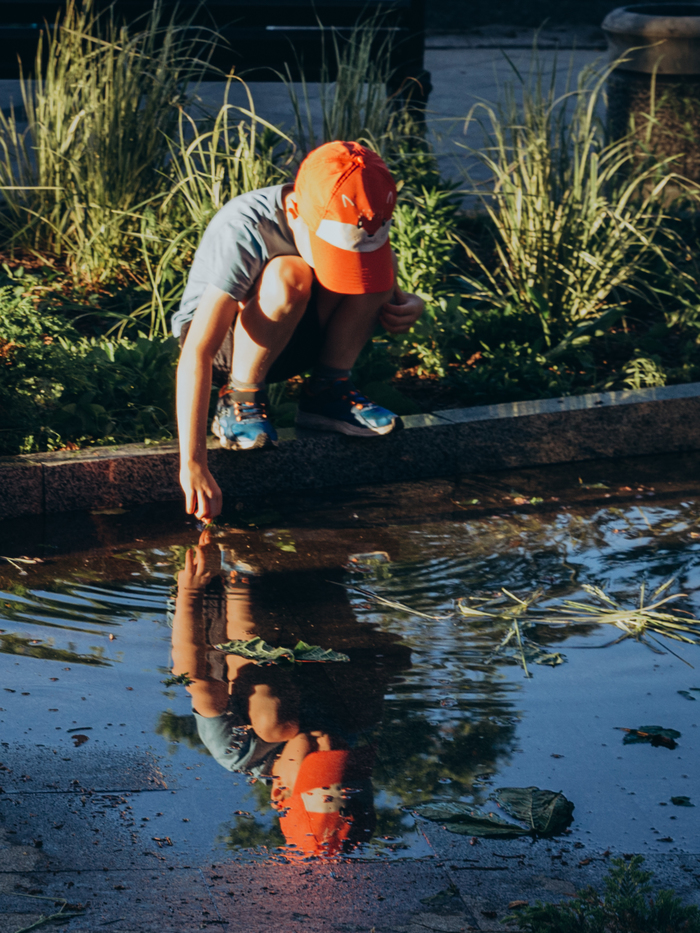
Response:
column 653, row 735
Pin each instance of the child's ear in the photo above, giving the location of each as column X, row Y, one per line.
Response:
column 291, row 205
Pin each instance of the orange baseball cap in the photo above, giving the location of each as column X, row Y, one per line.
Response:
column 346, row 197
column 326, row 832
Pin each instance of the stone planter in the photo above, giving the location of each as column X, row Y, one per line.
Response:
column 657, row 88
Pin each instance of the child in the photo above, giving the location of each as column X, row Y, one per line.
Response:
column 287, row 279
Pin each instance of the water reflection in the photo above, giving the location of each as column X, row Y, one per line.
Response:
column 308, row 732
column 423, row 712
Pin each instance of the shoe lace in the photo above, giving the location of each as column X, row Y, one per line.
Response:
column 244, row 411
column 355, row 397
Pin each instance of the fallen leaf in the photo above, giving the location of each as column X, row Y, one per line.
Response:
column 681, row 802
column 653, row 735
column 469, row 821
column 687, row 694
column 257, row 650
column 183, row 679
column 545, row 811
column 514, row 905
column 79, row 740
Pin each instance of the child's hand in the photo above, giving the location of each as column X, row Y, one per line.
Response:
column 400, row 316
column 195, row 574
column 202, row 493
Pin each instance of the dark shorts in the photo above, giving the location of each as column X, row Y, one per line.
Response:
column 300, row 354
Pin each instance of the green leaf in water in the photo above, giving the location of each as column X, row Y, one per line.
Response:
column 304, row 652
column 546, row 812
column 257, row 650
column 681, row 802
column 469, row 821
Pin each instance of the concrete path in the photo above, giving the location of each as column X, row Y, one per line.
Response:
column 462, row 75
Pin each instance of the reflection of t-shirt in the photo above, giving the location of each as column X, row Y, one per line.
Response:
column 236, row 747
column 240, row 240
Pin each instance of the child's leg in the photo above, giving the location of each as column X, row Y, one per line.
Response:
column 264, row 326
column 329, row 401
column 349, row 321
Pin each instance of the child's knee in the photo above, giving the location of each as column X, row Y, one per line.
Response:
column 286, row 285
column 272, row 730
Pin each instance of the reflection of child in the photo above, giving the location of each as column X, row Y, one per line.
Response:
column 243, row 713
column 324, row 795
column 311, row 739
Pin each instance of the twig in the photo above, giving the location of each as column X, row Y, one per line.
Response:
column 59, row 915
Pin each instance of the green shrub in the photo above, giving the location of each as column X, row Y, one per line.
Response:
column 100, row 107
column 627, row 906
column 576, row 223
column 58, row 387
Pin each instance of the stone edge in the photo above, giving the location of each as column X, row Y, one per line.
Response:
column 445, row 443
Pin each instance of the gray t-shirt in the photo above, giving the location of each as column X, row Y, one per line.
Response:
column 241, row 238
column 234, row 745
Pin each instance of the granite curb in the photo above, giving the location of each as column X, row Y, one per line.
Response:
column 448, row 443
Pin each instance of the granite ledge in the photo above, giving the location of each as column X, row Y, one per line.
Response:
column 444, row 443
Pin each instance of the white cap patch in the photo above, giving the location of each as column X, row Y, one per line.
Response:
column 351, row 237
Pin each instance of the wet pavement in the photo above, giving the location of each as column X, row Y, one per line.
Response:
column 136, row 814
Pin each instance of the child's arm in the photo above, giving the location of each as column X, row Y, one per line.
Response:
column 211, row 321
column 209, row 697
column 399, row 315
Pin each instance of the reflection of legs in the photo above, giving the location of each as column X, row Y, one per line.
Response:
column 272, row 706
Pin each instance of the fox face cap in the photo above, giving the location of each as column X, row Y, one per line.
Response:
column 346, row 197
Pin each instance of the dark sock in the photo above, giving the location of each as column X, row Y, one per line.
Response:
column 246, row 386
column 329, row 374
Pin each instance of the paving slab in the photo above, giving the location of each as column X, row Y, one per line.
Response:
column 151, row 901
column 348, row 896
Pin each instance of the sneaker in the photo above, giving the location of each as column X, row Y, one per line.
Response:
column 241, row 421
column 339, row 406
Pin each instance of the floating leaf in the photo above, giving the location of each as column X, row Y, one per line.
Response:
column 304, row 652
column 687, row 695
column 257, row 650
column 183, row 679
column 653, row 735
column 546, row 812
column 681, row 802
column 469, row 821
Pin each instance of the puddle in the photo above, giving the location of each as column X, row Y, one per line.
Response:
column 426, row 710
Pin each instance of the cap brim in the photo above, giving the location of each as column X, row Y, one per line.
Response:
column 352, row 273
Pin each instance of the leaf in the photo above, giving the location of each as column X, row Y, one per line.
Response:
column 687, row 695
column 547, row 812
column 681, row 802
column 183, row 679
column 304, row 652
column 653, row 735
column 257, row 650
column 469, row 821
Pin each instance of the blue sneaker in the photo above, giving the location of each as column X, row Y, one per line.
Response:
column 241, row 421
column 339, row 406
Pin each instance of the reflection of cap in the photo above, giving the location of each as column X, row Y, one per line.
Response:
column 346, row 196
column 323, row 833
